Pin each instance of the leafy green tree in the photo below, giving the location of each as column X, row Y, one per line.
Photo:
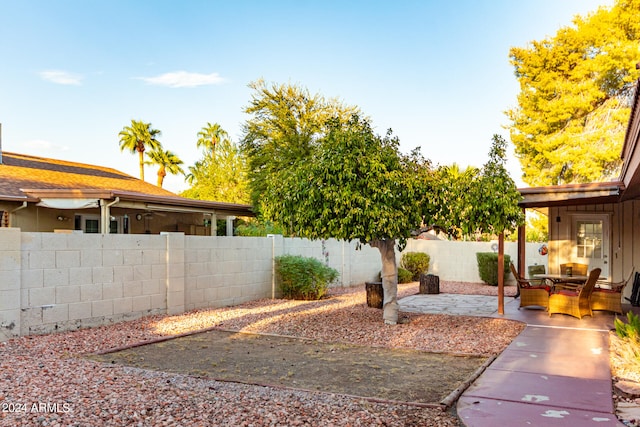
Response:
column 454, row 196
column 257, row 228
column 354, row 185
column 574, row 97
column 495, row 207
column 167, row 161
column 537, row 227
column 210, row 136
column 221, row 175
column 286, row 123
column 137, row 138
column 494, row 196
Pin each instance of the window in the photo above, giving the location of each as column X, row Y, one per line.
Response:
column 113, row 226
column 91, row 225
column 589, row 237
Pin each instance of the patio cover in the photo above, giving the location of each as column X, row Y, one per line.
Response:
column 69, row 203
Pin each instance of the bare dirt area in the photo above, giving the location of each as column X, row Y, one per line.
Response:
column 372, row 372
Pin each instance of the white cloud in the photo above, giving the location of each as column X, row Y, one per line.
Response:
column 61, row 77
column 184, row 79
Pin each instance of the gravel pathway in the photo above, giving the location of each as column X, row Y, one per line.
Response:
column 44, row 381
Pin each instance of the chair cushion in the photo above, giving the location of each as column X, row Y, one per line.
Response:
column 567, row 292
column 607, row 291
column 546, row 288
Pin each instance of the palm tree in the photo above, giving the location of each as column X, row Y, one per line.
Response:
column 210, row 136
column 167, row 162
column 192, row 176
column 137, row 138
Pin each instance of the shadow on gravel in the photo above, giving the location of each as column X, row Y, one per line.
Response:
column 379, row 373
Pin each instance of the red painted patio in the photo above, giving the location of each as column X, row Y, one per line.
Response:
column 555, row 373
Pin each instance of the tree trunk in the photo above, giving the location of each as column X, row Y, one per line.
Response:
column 501, row 273
column 375, row 294
column 141, row 157
column 389, row 279
column 161, row 175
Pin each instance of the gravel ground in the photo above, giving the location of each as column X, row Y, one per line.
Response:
column 45, row 382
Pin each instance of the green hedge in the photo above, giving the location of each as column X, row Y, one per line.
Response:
column 416, row 262
column 404, row 276
column 488, row 267
column 303, row 278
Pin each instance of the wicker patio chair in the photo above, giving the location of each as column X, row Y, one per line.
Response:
column 608, row 296
column 531, row 293
column 536, row 269
column 577, row 269
column 574, row 303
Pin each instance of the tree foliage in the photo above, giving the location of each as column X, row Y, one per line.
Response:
column 286, row 122
column 258, row 228
column 537, row 227
column 210, row 136
column 454, row 196
column 220, row 175
column 338, row 179
column 477, row 202
column 495, row 196
column 137, row 138
column 353, row 185
column 356, row 186
column 166, row 160
column 574, row 97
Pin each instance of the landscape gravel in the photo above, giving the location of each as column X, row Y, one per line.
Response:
column 45, row 381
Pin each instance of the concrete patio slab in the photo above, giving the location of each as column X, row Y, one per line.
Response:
column 555, row 373
column 454, row 304
column 545, row 390
column 595, row 367
column 486, row 412
column 560, row 341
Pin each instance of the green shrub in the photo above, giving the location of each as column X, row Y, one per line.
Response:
column 416, row 262
column 303, row 278
column 628, row 330
column 256, row 228
column 404, row 276
column 488, row 267
column 626, row 348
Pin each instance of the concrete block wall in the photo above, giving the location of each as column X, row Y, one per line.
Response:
column 356, row 263
column 73, row 280
column 456, row 261
column 64, row 281
column 226, row 271
column 10, row 272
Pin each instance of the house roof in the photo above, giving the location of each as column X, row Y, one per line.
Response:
column 627, row 187
column 571, row 194
column 31, row 179
column 630, row 174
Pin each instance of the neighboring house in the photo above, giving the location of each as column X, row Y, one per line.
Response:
column 45, row 195
column 598, row 223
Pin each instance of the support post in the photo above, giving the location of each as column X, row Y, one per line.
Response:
column 522, row 240
column 230, row 225
column 501, row 273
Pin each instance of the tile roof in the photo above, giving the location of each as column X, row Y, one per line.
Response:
column 19, row 171
column 24, row 177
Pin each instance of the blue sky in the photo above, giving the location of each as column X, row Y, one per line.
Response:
column 437, row 72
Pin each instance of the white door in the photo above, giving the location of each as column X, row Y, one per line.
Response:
column 591, row 242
